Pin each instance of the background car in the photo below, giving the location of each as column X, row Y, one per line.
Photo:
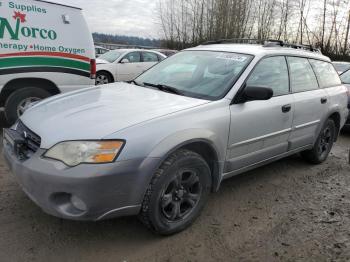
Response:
column 341, row 66
column 99, row 50
column 345, row 78
column 125, row 64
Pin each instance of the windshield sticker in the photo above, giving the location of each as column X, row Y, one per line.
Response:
column 233, row 57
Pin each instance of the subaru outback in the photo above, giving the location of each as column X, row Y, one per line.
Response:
column 158, row 146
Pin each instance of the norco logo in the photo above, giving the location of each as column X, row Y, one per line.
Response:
column 18, row 30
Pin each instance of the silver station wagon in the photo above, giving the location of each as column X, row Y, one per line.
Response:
column 158, row 146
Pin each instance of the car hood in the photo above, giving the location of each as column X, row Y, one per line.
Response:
column 101, row 61
column 94, row 113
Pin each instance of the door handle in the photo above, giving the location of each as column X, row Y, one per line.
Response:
column 323, row 100
column 286, row 108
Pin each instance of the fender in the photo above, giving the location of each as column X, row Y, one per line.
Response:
column 182, row 138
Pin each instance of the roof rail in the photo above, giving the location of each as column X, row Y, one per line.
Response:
column 264, row 43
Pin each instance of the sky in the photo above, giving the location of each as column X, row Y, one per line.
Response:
column 123, row 17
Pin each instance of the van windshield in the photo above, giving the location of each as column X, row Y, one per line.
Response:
column 111, row 56
column 201, row 74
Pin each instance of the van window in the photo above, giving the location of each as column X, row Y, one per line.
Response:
column 149, row 57
column 326, row 74
column 302, row 77
column 271, row 72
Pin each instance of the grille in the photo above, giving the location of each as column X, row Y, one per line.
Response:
column 32, row 140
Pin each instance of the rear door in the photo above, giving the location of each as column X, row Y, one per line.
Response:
column 129, row 71
column 149, row 59
column 260, row 129
column 311, row 102
column 329, row 80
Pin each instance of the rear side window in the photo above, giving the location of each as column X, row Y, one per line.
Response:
column 302, row 77
column 326, row 74
column 149, row 57
column 271, row 72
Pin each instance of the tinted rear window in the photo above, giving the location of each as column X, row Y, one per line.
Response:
column 326, row 74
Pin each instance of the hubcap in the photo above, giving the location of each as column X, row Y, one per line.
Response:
column 101, row 79
column 25, row 104
column 325, row 141
column 181, row 195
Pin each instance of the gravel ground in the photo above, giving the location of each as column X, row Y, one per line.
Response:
column 285, row 211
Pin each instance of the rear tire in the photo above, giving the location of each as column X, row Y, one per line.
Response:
column 177, row 193
column 20, row 100
column 323, row 145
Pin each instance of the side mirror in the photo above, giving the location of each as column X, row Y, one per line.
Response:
column 251, row 93
column 125, row 61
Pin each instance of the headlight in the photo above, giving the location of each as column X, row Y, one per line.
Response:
column 73, row 153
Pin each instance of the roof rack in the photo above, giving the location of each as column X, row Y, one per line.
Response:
column 264, row 43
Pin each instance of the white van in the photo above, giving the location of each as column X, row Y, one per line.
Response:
column 45, row 49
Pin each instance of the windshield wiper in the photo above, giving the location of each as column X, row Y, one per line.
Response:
column 133, row 82
column 165, row 88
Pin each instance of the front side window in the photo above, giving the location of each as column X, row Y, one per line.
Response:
column 201, row 74
column 302, row 77
column 326, row 74
column 271, row 72
column 133, row 57
column 149, row 57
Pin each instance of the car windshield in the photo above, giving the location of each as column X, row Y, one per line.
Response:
column 341, row 67
column 111, row 56
column 200, row 74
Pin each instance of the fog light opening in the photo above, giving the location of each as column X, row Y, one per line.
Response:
column 78, row 203
column 68, row 204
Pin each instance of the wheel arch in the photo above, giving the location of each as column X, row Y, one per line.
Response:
column 18, row 83
column 206, row 149
column 108, row 73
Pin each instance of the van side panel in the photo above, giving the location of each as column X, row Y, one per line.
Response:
column 44, row 40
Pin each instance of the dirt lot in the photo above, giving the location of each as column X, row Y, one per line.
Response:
column 286, row 211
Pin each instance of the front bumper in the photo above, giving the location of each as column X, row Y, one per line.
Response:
column 103, row 190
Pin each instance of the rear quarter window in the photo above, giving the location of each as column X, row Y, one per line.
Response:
column 326, row 74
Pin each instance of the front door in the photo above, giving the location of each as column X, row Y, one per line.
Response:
column 130, row 70
column 260, row 129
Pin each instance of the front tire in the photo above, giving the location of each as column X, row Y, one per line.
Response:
column 177, row 193
column 103, row 78
column 21, row 100
column 323, row 145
